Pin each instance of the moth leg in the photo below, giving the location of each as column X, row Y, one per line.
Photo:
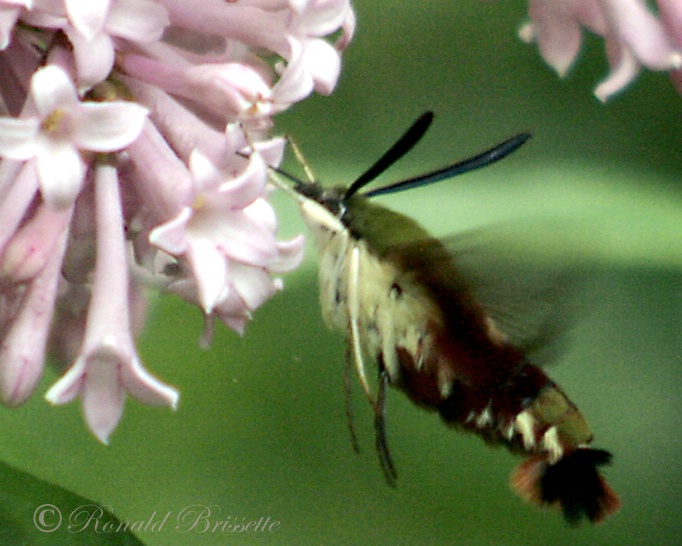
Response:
column 348, row 391
column 380, row 429
column 354, row 320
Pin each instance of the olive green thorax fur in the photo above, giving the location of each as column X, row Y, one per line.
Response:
column 381, row 228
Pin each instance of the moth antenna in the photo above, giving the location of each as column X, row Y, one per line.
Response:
column 483, row 159
column 403, row 145
column 354, row 320
column 348, row 396
column 276, row 180
column 380, row 430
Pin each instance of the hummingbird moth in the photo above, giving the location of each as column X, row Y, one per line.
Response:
column 404, row 305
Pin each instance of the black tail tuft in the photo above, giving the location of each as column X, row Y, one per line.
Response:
column 573, row 483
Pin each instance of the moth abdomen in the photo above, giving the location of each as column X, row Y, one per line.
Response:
column 529, row 414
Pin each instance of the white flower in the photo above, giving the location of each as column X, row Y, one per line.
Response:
column 61, row 127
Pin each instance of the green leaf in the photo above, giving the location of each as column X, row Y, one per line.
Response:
column 36, row 512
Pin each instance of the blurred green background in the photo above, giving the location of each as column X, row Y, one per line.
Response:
column 260, row 429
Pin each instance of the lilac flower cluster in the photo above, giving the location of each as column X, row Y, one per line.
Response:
column 135, row 151
column 634, row 36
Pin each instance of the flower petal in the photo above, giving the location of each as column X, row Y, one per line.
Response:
column 94, row 57
column 107, row 127
column 232, row 305
column 254, row 285
column 318, row 18
column 103, row 395
column 61, row 171
column 137, row 20
column 52, row 89
column 624, row 69
column 87, row 16
column 290, row 255
column 18, row 137
column 247, row 187
column 295, row 83
column 210, row 271
column 272, row 151
column 204, row 172
column 557, row 32
column 324, row 64
column 8, row 18
column 171, row 237
column 146, row 388
column 643, row 33
column 68, row 386
column 244, row 240
column 261, row 212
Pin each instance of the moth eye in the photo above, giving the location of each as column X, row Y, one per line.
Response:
column 396, row 290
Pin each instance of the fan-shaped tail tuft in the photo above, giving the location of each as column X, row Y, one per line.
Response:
column 573, row 484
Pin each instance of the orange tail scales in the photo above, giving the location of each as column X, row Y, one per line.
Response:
column 573, row 484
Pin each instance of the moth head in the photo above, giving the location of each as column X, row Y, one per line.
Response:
column 331, row 198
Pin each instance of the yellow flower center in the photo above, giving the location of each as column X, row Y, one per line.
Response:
column 199, row 202
column 51, row 122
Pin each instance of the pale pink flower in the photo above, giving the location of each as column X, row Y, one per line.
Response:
column 108, row 365
column 134, row 153
column 95, row 30
column 634, row 36
column 228, row 224
column 22, row 350
column 316, row 18
column 228, row 90
column 60, row 128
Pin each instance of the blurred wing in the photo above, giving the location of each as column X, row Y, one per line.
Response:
column 526, row 280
